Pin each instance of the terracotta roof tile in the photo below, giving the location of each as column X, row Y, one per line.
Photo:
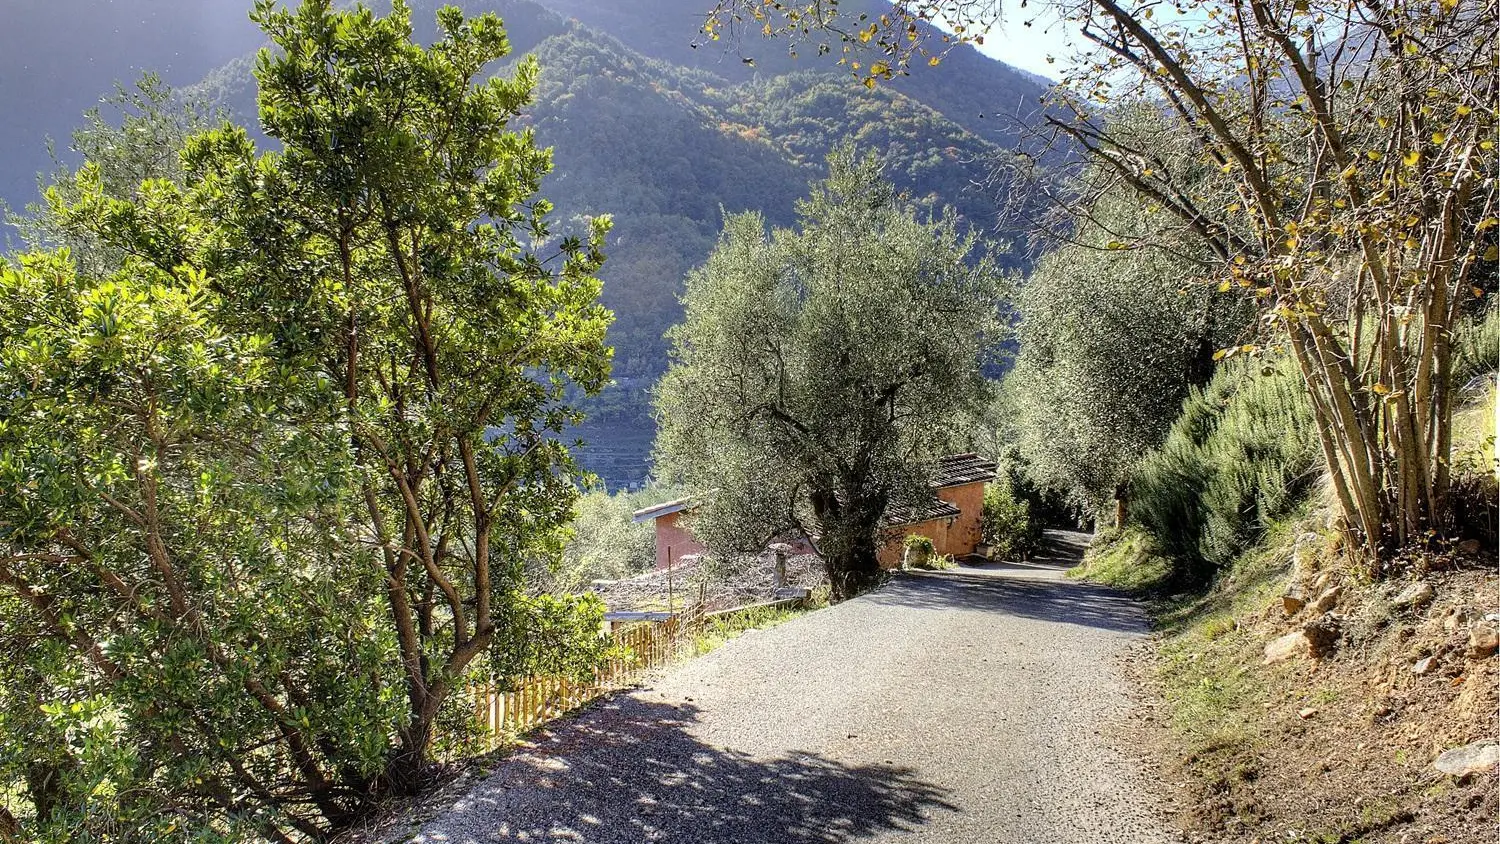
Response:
column 960, row 469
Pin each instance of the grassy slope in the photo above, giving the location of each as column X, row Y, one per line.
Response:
column 1338, row 750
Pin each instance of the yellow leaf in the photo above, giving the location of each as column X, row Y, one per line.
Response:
column 869, row 82
column 1491, row 254
column 1478, row 294
column 1439, row 138
column 1463, row 110
column 1411, row 158
column 1381, row 389
column 1221, row 354
column 1411, row 243
column 934, row 61
column 1373, row 155
column 1247, row 348
column 1223, row 287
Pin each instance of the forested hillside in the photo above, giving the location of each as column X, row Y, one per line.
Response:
column 651, row 123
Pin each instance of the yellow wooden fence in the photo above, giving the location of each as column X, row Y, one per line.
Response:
column 643, row 647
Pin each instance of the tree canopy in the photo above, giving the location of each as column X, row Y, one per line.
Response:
column 276, row 459
column 818, row 368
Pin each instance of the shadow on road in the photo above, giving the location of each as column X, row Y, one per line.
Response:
column 992, row 590
column 628, row 771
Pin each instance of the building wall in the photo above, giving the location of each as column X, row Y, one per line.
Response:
column 674, row 539
column 957, row 536
column 965, row 531
column 891, row 552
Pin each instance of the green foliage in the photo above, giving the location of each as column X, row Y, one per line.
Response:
column 935, row 562
column 917, row 551
column 1241, row 454
column 186, row 618
column 1127, row 561
column 605, row 542
column 1476, row 347
column 1111, row 342
column 1006, row 523
column 817, row 369
column 721, row 628
column 918, row 542
column 272, row 456
column 140, row 143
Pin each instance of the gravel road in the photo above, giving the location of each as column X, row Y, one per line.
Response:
column 962, row 707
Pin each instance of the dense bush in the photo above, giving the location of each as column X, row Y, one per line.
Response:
column 1241, row 453
column 1006, row 523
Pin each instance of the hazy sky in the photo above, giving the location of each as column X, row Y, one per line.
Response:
column 1028, row 47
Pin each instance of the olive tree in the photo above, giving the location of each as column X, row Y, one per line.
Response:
column 819, row 370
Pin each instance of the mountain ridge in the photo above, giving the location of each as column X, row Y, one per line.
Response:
column 668, row 139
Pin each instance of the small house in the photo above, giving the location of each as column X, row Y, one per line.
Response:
column 952, row 519
column 673, row 540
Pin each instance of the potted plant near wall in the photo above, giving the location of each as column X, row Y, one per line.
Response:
column 917, row 551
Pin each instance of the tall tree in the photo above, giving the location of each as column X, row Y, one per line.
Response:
column 818, row 370
column 389, row 242
column 1356, row 142
column 272, row 471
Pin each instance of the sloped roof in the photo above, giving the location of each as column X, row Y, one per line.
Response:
column 928, row 512
column 960, row 469
column 664, row 509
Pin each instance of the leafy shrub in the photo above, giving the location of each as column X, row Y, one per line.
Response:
column 1242, row 453
column 604, row 542
column 1476, row 348
column 1006, row 523
column 918, row 550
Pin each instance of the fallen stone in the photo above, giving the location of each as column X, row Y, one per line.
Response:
column 1322, row 582
column 1416, row 595
column 1322, row 635
column 1456, row 619
column 1291, row 603
column 1469, row 546
column 1327, row 601
column 1475, row 758
column 1307, row 713
column 1422, row 666
column 1306, row 551
column 1484, row 640
column 1291, row 645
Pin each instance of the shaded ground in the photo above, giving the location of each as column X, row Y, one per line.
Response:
column 963, row 706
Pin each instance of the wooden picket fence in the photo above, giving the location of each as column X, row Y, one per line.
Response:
column 642, row 647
